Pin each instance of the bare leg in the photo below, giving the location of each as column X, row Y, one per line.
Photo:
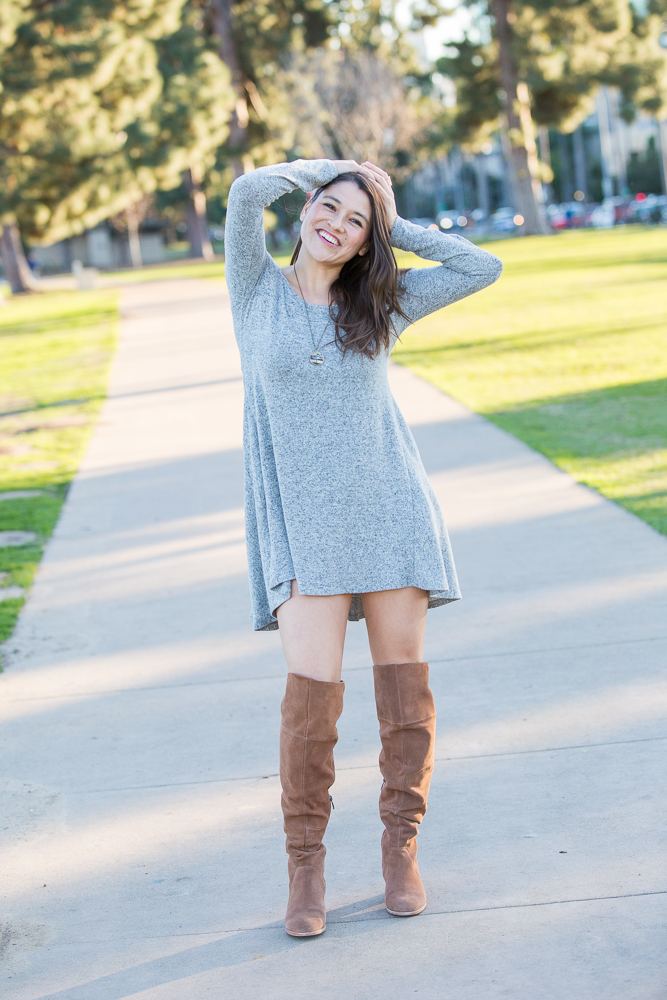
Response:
column 312, row 630
column 396, row 620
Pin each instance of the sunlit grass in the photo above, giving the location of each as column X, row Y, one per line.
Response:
column 55, row 351
column 568, row 352
column 167, row 272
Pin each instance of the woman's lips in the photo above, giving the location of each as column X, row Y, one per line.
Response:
column 329, row 242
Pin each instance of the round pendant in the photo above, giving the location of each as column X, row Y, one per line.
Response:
column 316, row 358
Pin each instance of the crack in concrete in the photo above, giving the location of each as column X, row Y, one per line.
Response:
column 365, row 767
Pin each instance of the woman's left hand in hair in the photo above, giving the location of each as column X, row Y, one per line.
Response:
column 383, row 181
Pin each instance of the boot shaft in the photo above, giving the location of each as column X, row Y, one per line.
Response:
column 406, row 713
column 308, row 735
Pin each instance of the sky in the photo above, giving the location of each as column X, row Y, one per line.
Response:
column 449, row 29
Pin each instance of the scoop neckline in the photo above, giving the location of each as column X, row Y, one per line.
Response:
column 315, row 305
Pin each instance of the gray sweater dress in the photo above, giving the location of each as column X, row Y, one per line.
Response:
column 336, row 495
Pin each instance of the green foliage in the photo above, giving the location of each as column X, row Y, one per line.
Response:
column 563, row 52
column 287, row 47
column 55, row 351
column 567, row 352
column 474, row 69
column 264, row 34
column 102, row 102
column 266, row 31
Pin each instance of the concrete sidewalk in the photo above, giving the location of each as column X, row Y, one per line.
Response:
column 142, row 849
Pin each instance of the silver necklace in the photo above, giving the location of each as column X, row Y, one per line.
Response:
column 316, row 358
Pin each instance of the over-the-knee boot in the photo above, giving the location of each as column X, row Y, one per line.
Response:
column 308, row 735
column 406, row 713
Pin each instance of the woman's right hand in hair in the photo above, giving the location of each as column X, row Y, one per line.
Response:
column 383, row 183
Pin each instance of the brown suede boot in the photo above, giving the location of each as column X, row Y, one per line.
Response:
column 407, row 729
column 308, row 735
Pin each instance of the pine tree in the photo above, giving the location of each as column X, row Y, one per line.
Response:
column 101, row 103
column 544, row 64
column 16, row 266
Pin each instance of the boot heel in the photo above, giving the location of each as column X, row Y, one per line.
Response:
column 306, row 913
column 404, row 894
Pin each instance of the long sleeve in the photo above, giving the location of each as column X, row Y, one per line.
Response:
column 245, row 246
column 464, row 269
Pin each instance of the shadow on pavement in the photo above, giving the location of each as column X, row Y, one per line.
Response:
column 233, row 949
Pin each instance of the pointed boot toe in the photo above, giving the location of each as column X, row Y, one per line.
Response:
column 306, row 913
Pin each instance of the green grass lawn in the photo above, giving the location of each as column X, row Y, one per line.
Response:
column 568, row 352
column 55, row 350
column 165, row 272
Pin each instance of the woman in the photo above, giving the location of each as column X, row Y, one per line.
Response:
column 341, row 520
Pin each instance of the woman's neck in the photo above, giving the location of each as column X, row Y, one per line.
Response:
column 311, row 279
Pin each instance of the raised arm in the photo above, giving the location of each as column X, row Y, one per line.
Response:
column 245, row 247
column 464, row 269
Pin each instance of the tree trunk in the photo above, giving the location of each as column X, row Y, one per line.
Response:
column 527, row 203
column 606, row 148
column 509, row 179
column 566, row 176
column 221, row 17
column 483, row 200
column 528, row 130
column 620, row 146
column 662, row 137
column 580, row 172
column 17, row 269
column 459, row 196
column 197, row 227
column 132, row 217
column 545, row 156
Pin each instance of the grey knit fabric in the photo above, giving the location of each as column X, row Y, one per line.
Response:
column 335, row 491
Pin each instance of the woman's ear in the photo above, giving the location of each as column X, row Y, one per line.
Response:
column 307, row 205
column 364, row 250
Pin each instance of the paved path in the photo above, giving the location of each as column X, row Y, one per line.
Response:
column 143, row 852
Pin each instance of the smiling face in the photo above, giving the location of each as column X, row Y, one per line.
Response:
column 336, row 225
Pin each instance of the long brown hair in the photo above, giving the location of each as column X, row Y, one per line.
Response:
column 367, row 290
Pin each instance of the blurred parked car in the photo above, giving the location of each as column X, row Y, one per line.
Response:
column 502, row 221
column 567, row 215
column 603, row 216
column 648, row 209
column 424, row 223
column 622, row 209
column 614, row 211
column 452, row 219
